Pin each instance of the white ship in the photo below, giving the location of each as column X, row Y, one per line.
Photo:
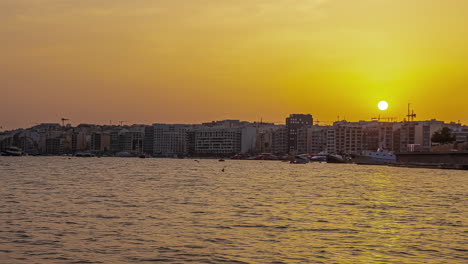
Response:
column 379, row 157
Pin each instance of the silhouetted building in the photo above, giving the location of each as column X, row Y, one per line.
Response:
column 148, row 141
column 297, row 136
column 319, row 139
column 100, row 141
column 54, row 146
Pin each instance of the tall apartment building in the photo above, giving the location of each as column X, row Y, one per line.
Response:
column 295, row 124
column 54, row 146
column 148, row 140
column 348, row 137
column 78, row 142
column 318, row 138
column 280, row 141
column 331, row 140
column 264, row 140
column 131, row 141
column 100, row 141
column 115, row 145
column 377, row 135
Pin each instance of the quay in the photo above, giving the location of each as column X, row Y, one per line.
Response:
column 440, row 160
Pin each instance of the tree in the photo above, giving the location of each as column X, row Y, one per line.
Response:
column 443, row 136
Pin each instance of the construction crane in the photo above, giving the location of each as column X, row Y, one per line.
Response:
column 63, row 120
column 411, row 115
column 388, row 119
column 317, row 122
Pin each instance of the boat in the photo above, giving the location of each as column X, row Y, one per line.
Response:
column 300, row 159
column 379, row 157
column 13, row 151
column 318, row 158
column 124, row 154
column 84, row 155
column 336, row 158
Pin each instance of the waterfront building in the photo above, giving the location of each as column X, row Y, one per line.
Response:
column 170, row 140
column 148, row 140
column 218, row 141
column 54, row 146
column 78, row 142
column 6, row 141
column 100, row 141
column 130, row 139
column 461, row 134
column 280, row 141
column 248, row 139
column 319, row 138
column 348, row 137
column 115, row 145
column 297, row 125
column 377, row 135
column 264, row 140
column 416, row 135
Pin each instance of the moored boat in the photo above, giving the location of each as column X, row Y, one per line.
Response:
column 336, row 158
column 380, row 157
column 13, row 151
column 318, row 158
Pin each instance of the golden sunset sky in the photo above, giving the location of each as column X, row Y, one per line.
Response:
column 191, row 61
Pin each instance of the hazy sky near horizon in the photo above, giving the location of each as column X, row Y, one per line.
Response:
column 187, row 61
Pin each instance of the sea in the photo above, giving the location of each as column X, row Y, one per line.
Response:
column 131, row 210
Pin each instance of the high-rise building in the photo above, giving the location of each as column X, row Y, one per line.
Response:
column 297, row 137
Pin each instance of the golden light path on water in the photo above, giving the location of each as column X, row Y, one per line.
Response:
column 110, row 210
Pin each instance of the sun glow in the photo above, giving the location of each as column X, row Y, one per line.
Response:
column 383, row 105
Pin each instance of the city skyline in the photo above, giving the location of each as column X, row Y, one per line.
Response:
column 184, row 62
column 232, row 137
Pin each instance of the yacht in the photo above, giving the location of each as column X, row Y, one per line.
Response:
column 379, row 157
column 13, row 151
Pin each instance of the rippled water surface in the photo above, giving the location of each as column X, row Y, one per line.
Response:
column 111, row 210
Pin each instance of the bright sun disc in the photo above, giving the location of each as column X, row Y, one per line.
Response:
column 383, row 105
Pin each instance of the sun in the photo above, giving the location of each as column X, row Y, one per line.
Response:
column 383, row 105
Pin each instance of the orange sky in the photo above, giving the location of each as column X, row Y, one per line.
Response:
column 185, row 61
